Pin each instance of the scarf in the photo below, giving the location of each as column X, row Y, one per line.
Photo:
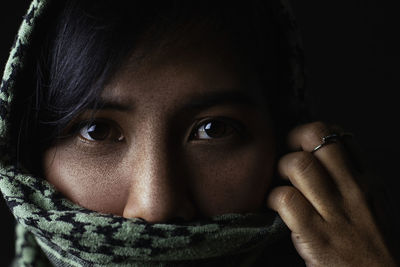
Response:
column 52, row 230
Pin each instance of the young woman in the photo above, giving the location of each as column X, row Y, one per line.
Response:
column 173, row 133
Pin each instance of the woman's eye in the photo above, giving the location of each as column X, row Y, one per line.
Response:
column 214, row 129
column 101, row 131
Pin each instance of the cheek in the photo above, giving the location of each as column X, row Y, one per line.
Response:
column 231, row 182
column 219, row 179
column 87, row 181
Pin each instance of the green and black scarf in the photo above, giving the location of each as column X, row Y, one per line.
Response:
column 52, row 230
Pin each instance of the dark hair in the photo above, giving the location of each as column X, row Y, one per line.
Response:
column 70, row 62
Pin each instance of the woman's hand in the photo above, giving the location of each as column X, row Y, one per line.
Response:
column 325, row 208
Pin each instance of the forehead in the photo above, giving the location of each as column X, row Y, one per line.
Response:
column 179, row 72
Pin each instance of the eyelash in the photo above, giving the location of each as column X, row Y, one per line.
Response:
column 230, row 127
column 113, row 129
column 234, row 127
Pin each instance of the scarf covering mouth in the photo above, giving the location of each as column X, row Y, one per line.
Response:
column 52, row 229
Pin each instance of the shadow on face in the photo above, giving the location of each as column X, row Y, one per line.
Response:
column 183, row 134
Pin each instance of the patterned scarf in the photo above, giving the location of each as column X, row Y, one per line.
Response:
column 51, row 229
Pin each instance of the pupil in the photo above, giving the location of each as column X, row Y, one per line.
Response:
column 215, row 129
column 98, row 131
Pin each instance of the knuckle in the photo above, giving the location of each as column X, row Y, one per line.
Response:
column 300, row 163
column 288, row 197
column 316, row 130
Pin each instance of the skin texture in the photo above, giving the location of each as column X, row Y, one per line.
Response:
column 325, row 208
column 158, row 172
column 151, row 166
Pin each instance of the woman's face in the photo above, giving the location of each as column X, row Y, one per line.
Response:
column 183, row 135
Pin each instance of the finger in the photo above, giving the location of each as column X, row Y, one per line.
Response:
column 306, row 173
column 332, row 156
column 297, row 213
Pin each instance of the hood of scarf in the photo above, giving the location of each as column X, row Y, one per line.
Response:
column 52, row 229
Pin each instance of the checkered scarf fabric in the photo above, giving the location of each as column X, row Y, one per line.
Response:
column 52, row 230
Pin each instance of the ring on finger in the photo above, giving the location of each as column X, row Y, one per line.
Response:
column 331, row 138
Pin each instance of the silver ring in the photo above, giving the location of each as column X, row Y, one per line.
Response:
column 329, row 139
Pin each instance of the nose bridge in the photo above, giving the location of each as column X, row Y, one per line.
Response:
column 157, row 193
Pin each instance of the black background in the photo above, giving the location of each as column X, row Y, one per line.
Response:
column 352, row 61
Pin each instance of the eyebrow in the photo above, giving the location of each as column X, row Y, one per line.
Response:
column 110, row 104
column 207, row 100
column 197, row 102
